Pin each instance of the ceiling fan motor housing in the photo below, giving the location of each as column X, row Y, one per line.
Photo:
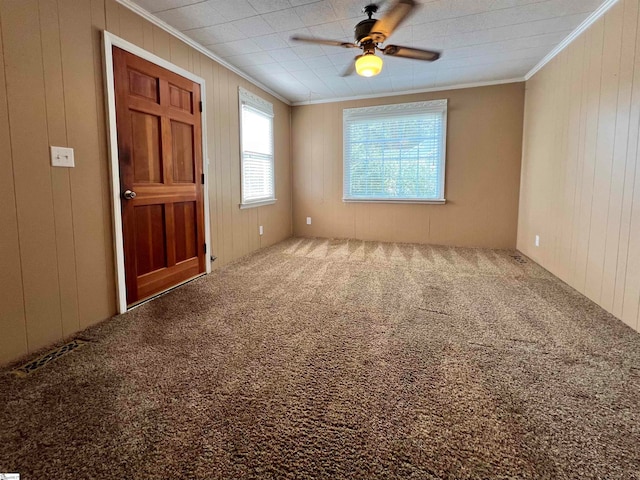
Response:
column 363, row 29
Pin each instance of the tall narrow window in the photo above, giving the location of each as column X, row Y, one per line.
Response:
column 256, row 145
column 395, row 153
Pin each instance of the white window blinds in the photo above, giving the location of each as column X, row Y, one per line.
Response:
column 256, row 145
column 395, row 152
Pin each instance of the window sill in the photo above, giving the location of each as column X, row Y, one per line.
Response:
column 441, row 201
column 244, row 206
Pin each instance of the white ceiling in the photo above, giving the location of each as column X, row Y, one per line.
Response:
column 481, row 41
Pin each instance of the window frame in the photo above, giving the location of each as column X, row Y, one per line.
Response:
column 380, row 111
column 251, row 100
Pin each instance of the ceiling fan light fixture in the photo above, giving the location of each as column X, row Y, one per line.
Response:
column 368, row 65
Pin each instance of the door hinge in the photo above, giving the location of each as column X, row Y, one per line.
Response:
column 200, row 106
column 205, row 248
column 202, row 178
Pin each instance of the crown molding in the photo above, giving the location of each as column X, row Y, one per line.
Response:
column 590, row 20
column 192, row 43
column 410, row 92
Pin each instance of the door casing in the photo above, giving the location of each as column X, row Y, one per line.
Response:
column 111, row 40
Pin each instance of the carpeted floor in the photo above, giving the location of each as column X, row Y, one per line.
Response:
column 340, row 360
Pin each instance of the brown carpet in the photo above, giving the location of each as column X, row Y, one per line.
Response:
column 340, row 360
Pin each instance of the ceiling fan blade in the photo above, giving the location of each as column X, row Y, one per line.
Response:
column 385, row 26
column 351, row 68
column 408, row 52
column 322, row 41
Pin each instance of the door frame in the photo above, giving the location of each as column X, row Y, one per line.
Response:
column 110, row 41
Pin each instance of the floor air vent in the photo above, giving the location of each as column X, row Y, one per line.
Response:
column 519, row 259
column 39, row 362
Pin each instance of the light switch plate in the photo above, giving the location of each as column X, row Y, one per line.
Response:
column 62, row 157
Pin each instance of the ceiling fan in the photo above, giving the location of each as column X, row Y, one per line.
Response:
column 371, row 33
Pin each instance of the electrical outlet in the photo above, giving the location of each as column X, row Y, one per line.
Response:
column 308, row 220
column 261, row 230
column 537, row 240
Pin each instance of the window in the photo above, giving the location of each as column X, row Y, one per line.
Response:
column 395, row 153
column 256, row 150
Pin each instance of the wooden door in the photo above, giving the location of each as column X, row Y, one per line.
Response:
column 161, row 181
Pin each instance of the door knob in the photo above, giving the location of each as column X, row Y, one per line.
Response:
column 129, row 195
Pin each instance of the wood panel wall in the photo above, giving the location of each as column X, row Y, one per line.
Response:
column 484, row 148
column 56, row 260
column 581, row 175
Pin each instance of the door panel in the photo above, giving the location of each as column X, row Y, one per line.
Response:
column 184, row 220
column 180, row 98
column 183, row 157
column 144, row 85
column 146, row 148
column 160, row 158
column 151, row 241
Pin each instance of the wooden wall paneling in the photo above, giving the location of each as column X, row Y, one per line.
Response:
column 333, row 188
column 147, row 35
column 574, row 94
column 501, row 206
column 552, row 135
column 98, row 20
column 361, row 220
column 330, row 194
column 600, row 192
column 194, row 62
column 112, row 16
column 224, row 105
column 88, row 182
column 590, row 149
column 299, row 154
column 131, row 26
column 308, row 171
column 560, row 151
column 631, row 299
column 161, row 43
column 607, row 115
column 216, row 157
column 582, row 135
column 215, row 154
column 296, row 156
column 60, row 177
column 13, row 342
column 621, row 148
column 524, row 213
column 631, row 164
column 550, row 177
column 32, row 172
column 631, row 295
column 525, row 219
column 180, row 53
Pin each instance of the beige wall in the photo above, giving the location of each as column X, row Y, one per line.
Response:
column 56, row 260
column 484, row 148
column 581, row 178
